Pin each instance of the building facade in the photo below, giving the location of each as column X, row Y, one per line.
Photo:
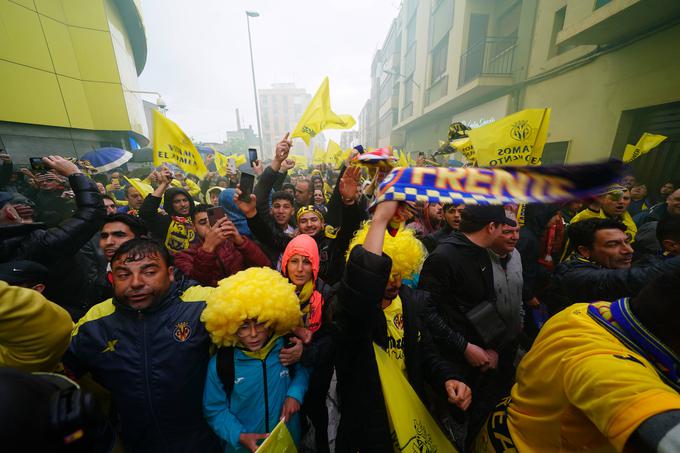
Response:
column 68, row 72
column 603, row 66
column 349, row 139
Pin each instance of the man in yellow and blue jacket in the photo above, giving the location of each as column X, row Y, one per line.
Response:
column 149, row 349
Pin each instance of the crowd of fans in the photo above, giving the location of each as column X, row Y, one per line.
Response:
column 196, row 317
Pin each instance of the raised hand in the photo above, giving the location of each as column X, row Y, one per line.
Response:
column 62, row 166
column 349, row 185
column 248, row 208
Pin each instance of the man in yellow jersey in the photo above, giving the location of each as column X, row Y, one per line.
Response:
column 601, row 377
column 613, row 204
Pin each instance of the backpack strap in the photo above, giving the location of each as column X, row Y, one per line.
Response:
column 225, row 368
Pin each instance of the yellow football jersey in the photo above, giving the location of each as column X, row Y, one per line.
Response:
column 580, row 388
column 394, row 315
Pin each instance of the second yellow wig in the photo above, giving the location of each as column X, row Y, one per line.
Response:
column 257, row 293
column 406, row 251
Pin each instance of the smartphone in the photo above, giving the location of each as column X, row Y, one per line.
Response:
column 252, row 156
column 215, row 213
column 231, row 165
column 246, row 184
column 37, row 164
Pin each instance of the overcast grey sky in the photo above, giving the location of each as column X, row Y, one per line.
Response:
column 198, row 54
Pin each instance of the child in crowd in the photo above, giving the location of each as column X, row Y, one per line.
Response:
column 247, row 390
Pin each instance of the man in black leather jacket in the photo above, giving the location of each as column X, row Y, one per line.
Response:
column 32, row 241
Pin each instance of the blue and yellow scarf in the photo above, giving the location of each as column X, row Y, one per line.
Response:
column 619, row 320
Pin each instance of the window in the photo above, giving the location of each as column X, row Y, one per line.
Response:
column 558, row 25
column 408, row 91
column 439, row 59
column 600, row 3
column 554, row 153
column 411, row 32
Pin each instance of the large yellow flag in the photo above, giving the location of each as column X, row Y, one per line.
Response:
column 171, row 145
column 221, row 163
column 319, row 116
column 517, row 139
column 646, row 143
column 300, row 161
column 413, row 428
column 278, row 441
column 333, row 153
column 319, row 156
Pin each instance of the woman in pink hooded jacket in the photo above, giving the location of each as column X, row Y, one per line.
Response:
column 313, row 346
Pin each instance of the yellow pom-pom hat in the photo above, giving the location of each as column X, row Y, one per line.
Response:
column 257, row 293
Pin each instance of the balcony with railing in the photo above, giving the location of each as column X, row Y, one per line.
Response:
column 492, row 56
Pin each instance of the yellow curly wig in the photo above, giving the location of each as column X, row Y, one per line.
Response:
column 256, row 293
column 406, row 251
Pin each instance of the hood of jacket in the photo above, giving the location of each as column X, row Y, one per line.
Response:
column 304, row 245
column 237, row 217
column 170, row 195
column 212, row 189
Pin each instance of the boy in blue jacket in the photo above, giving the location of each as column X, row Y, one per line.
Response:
column 247, row 390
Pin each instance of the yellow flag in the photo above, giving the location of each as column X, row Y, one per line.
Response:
column 171, row 145
column 143, row 188
column 300, row 161
column 319, row 116
column 464, row 146
column 403, row 161
column 278, row 441
column 646, row 143
column 221, row 163
column 319, row 156
column 333, row 152
column 413, row 428
column 517, row 139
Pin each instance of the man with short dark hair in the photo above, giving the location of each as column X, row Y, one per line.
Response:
column 452, row 215
column 148, row 347
column 304, row 193
column 118, row 229
column 282, row 210
column 459, row 277
column 134, row 199
column 600, row 267
column 646, row 241
column 668, row 234
column 220, row 252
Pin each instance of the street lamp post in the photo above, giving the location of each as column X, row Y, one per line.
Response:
column 250, row 14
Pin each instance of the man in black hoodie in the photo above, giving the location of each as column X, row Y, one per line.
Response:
column 174, row 228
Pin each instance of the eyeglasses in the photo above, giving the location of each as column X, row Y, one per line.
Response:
column 246, row 329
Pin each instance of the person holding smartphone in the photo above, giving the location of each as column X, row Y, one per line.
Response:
column 220, row 251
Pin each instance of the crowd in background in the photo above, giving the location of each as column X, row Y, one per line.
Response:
column 194, row 316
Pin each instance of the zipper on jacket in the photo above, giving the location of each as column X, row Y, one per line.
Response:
column 266, row 396
column 140, row 316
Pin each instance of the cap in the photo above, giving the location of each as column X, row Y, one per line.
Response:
column 22, row 271
column 486, row 214
column 4, row 198
column 307, row 210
